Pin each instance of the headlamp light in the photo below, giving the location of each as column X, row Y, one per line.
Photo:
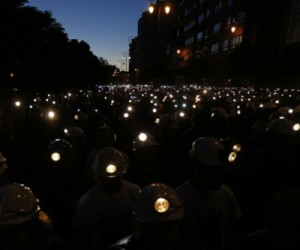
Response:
column 236, row 148
column 51, row 115
column 232, row 157
column 110, row 169
column 55, row 156
column 296, row 127
column 17, row 103
column 161, row 205
column 142, row 137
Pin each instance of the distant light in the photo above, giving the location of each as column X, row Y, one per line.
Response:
column 76, row 117
column 66, row 130
column 51, row 114
column 157, row 120
column 129, row 108
column 181, row 114
column 142, row 137
column 17, row 103
column 154, row 110
column 125, row 115
column 291, row 111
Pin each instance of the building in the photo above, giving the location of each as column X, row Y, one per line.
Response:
column 217, row 40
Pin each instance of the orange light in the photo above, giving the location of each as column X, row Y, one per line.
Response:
column 167, row 9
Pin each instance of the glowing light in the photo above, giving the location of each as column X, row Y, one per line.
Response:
column 142, row 137
column 66, row 130
column 296, row 127
column 129, row 108
column 194, row 106
column 76, row 117
column 51, row 114
column 154, row 110
column 161, row 205
column 17, row 103
column 110, row 169
column 291, row 111
column 181, row 114
column 238, row 112
column 236, row 148
column 157, row 120
column 125, row 115
column 55, row 156
column 232, row 157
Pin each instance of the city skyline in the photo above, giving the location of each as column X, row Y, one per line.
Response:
column 106, row 25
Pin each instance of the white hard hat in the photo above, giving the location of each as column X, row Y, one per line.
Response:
column 18, row 204
column 158, row 202
column 3, row 165
column 143, row 140
column 110, row 163
column 207, row 151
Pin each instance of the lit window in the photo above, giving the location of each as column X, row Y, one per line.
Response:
column 235, row 41
column 207, row 13
column 217, row 28
column 214, row 48
column 201, row 18
column 200, row 36
column 225, row 45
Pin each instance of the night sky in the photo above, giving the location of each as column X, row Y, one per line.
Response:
column 106, row 25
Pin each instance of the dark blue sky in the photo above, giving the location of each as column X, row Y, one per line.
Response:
column 106, row 25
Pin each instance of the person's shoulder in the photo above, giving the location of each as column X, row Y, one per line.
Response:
column 131, row 185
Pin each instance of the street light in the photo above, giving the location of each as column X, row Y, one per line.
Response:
column 152, row 7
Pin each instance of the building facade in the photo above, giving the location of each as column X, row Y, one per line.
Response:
column 220, row 40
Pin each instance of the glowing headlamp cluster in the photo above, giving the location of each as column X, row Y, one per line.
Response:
column 233, row 155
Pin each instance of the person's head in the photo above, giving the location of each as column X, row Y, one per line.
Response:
column 20, row 216
column 109, row 167
column 207, row 158
column 159, row 212
column 145, row 149
column 59, row 152
column 105, row 137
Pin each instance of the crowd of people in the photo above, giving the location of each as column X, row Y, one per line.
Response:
column 144, row 167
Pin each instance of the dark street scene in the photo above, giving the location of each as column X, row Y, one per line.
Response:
column 186, row 137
